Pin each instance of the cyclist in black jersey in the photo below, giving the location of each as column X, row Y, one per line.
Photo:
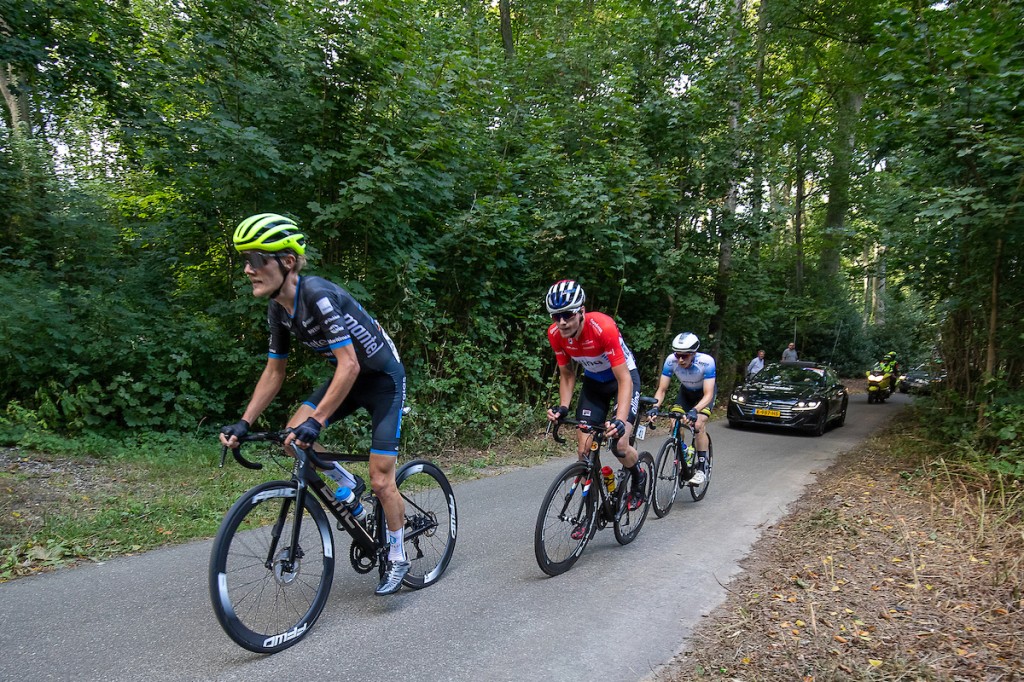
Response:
column 368, row 373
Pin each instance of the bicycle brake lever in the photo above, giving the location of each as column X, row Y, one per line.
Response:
column 223, row 456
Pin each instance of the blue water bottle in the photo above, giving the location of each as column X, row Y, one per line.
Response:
column 345, row 495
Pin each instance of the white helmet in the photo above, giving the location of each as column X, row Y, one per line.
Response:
column 686, row 342
column 565, row 294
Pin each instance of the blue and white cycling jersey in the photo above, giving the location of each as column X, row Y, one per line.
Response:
column 691, row 378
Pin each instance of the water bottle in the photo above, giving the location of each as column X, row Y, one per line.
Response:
column 345, row 495
column 609, row 478
column 690, row 452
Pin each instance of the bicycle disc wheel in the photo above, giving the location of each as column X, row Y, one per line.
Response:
column 628, row 523
column 666, row 478
column 567, row 519
column 698, row 491
column 265, row 599
column 431, row 521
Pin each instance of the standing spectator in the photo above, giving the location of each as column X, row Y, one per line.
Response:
column 789, row 355
column 756, row 365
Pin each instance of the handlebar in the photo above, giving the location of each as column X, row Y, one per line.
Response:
column 679, row 416
column 585, row 427
column 274, row 437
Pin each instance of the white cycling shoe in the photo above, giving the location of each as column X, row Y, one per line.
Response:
column 698, row 479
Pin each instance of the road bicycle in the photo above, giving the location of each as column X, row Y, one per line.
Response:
column 272, row 562
column 675, row 464
column 579, row 503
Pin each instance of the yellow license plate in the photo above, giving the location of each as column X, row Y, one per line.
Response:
column 761, row 412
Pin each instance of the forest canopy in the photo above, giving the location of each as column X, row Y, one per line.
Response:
column 845, row 175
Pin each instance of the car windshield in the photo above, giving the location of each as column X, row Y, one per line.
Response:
column 781, row 374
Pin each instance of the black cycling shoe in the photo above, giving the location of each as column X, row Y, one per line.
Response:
column 636, row 494
column 392, row 580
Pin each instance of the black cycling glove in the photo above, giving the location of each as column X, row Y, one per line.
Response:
column 560, row 410
column 620, row 428
column 691, row 416
column 308, row 431
column 653, row 412
column 238, row 429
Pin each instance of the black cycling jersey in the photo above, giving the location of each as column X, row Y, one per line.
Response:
column 326, row 317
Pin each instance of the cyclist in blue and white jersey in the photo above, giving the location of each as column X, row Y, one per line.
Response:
column 367, row 372
column 697, row 389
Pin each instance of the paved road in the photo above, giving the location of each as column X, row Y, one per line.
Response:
column 619, row 613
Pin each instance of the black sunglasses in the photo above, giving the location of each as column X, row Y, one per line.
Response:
column 257, row 259
column 683, row 356
column 565, row 315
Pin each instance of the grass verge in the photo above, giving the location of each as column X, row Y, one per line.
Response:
column 99, row 499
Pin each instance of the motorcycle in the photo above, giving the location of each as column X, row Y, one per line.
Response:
column 881, row 384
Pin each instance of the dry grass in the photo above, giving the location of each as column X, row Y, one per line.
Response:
column 891, row 567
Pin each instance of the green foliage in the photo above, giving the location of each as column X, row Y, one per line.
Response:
column 650, row 150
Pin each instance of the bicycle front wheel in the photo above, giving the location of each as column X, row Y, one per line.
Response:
column 629, row 521
column 666, row 477
column 698, row 491
column 265, row 596
column 431, row 521
column 567, row 519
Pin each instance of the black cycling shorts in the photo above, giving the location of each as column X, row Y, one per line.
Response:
column 382, row 394
column 596, row 397
column 689, row 399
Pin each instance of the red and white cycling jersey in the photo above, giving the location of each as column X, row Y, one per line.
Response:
column 598, row 347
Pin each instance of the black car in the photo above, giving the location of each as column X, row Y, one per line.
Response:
column 922, row 379
column 801, row 395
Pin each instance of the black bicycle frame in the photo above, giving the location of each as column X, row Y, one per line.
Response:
column 306, row 478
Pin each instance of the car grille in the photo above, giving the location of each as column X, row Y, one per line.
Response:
column 785, row 409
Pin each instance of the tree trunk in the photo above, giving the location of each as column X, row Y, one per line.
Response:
column 716, row 327
column 869, row 283
column 798, row 218
column 15, row 103
column 505, row 10
column 848, row 104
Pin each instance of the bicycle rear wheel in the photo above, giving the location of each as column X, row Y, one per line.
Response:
column 698, row 491
column 431, row 521
column 666, row 477
column 567, row 519
column 265, row 599
column 627, row 522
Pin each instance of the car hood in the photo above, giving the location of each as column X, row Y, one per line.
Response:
column 778, row 392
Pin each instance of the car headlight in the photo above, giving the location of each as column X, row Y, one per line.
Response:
column 807, row 405
column 736, row 397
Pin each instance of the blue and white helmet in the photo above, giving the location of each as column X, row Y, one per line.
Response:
column 565, row 294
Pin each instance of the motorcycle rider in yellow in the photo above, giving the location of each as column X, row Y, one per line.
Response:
column 892, row 367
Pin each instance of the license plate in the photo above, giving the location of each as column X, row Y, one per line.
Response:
column 641, row 432
column 761, row 412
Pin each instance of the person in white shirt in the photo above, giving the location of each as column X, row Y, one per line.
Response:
column 756, row 365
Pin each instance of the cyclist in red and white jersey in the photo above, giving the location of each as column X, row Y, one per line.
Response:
column 609, row 371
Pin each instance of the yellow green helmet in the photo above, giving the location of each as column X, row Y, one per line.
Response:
column 269, row 232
